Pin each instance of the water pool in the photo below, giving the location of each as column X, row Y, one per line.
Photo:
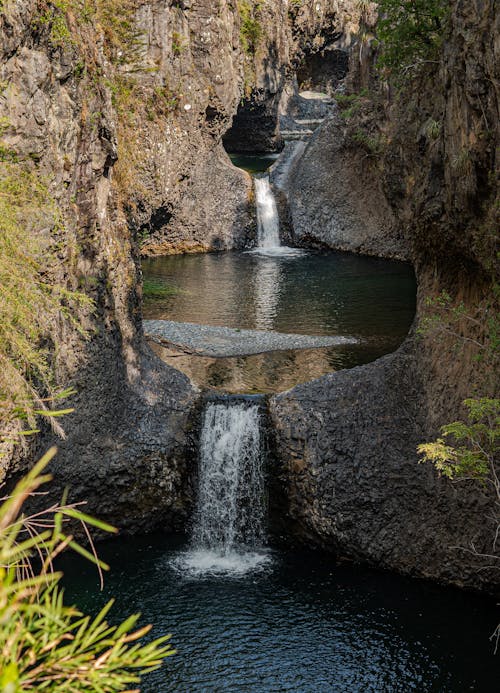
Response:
column 302, row 624
column 316, row 293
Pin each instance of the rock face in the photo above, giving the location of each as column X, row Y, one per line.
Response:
column 191, row 63
column 347, row 443
column 440, row 165
column 129, row 431
column 131, row 454
column 194, row 221
column 335, row 198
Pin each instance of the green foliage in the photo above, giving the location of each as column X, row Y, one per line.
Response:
column 432, row 128
column 54, row 17
column 373, row 145
column 411, row 32
column 349, row 104
column 156, row 288
column 46, row 645
column 250, row 27
column 179, row 43
column 462, row 162
column 163, row 101
column 123, row 42
column 473, row 451
column 350, row 111
column 31, row 300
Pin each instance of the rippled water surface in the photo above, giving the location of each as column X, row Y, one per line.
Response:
column 315, row 294
column 302, row 624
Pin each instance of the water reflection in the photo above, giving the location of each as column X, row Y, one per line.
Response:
column 313, row 294
column 267, row 290
column 266, row 373
column 317, row 294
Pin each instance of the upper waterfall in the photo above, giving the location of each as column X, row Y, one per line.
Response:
column 268, row 224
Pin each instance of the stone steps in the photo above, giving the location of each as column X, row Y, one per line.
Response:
column 289, row 135
column 310, row 121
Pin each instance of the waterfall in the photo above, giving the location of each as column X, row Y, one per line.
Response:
column 268, row 224
column 229, row 522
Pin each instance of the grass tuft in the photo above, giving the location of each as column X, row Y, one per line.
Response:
column 156, row 288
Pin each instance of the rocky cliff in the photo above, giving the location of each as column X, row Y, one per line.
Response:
column 121, row 108
column 123, row 441
column 213, row 62
column 347, row 442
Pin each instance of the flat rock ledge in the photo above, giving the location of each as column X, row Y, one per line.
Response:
column 208, row 340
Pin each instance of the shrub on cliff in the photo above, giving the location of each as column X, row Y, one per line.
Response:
column 250, row 28
column 411, row 32
column 468, row 451
column 32, row 300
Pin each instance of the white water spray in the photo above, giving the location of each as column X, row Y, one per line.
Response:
column 228, row 532
column 268, row 225
column 268, row 222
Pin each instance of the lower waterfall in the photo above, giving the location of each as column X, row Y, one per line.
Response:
column 228, row 534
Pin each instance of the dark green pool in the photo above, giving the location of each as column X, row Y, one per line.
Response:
column 253, row 163
column 304, row 624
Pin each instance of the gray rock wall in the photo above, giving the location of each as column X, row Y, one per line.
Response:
column 336, row 199
column 127, row 443
column 347, row 442
column 198, row 51
column 349, row 470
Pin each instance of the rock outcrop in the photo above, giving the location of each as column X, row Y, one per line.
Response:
column 349, row 471
column 129, row 431
column 218, row 66
column 335, row 198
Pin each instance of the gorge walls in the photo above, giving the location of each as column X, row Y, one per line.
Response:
column 198, row 62
column 59, row 118
column 125, row 124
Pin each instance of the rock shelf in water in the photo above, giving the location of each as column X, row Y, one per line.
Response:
column 209, row 340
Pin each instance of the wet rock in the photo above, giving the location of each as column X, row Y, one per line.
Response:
column 209, row 340
column 131, row 456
